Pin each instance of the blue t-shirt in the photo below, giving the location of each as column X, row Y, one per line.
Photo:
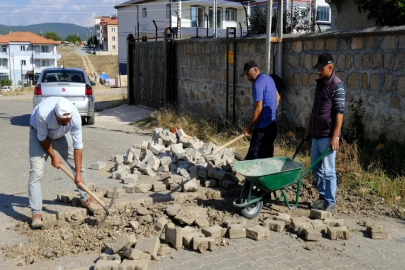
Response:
column 264, row 89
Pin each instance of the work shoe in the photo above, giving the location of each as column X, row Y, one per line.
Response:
column 37, row 222
column 330, row 208
column 89, row 204
column 319, row 204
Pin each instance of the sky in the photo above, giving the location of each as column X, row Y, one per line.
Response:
column 80, row 12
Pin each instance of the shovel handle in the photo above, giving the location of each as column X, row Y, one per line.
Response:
column 231, row 142
column 82, row 186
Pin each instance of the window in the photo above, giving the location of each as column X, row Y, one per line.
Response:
column 144, row 13
column 45, row 63
column 23, row 63
column 168, row 11
column 3, row 76
column 63, row 76
column 4, row 49
column 38, row 63
column 113, row 47
column 197, row 16
column 113, row 30
column 22, row 48
column 45, row 49
column 113, row 38
column 230, row 15
column 4, row 63
column 322, row 14
column 211, row 17
column 36, row 49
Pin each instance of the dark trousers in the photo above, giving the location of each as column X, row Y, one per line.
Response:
column 262, row 142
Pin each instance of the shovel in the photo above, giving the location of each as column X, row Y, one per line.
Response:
column 83, row 187
column 230, row 142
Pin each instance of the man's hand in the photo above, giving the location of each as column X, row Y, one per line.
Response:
column 56, row 162
column 78, row 180
column 246, row 132
column 334, row 143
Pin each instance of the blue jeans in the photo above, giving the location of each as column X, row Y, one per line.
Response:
column 324, row 171
column 38, row 157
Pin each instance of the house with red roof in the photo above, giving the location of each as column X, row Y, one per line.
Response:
column 23, row 56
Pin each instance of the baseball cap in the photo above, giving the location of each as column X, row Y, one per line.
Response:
column 64, row 106
column 323, row 60
column 248, row 65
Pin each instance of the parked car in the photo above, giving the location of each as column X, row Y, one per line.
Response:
column 70, row 83
column 6, row 88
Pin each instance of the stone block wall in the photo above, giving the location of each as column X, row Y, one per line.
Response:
column 371, row 63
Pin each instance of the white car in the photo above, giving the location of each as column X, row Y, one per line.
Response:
column 6, row 88
column 70, row 83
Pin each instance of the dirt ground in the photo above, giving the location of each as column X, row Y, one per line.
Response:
column 70, row 58
column 105, row 63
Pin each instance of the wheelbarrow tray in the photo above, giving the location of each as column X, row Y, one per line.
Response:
column 270, row 174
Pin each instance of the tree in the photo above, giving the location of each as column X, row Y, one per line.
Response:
column 258, row 20
column 5, row 82
column 383, row 12
column 52, row 35
column 73, row 38
column 92, row 40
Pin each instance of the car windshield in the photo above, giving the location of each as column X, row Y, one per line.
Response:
column 63, row 76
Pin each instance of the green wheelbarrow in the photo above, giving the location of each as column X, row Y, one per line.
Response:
column 269, row 175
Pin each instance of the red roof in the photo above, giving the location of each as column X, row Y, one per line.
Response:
column 26, row 37
column 109, row 21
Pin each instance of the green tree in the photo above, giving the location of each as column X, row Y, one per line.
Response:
column 73, row 38
column 92, row 40
column 52, row 35
column 5, row 82
column 383, row 12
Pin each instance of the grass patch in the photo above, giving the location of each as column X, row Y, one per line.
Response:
column 19, row 91
column 69, row 58
column 105, row 63
column 361, row 169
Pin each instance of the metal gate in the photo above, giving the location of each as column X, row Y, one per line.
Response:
column 150, row 80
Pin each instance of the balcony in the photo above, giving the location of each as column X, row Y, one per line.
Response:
column 4, row 69
column 45, row 56
column 3, row 55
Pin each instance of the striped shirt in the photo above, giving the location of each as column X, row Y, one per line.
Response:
column 338, row 96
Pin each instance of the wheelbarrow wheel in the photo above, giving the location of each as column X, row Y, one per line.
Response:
column 251, row 211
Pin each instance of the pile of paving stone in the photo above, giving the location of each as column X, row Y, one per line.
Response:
column 129, row 252
column 179, row 162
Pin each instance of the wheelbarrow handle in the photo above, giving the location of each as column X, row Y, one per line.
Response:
column 298, row 148
column 316, row 161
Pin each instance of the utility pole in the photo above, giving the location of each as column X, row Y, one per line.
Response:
column 12, row 55
column 22, row 82
column 268, row 36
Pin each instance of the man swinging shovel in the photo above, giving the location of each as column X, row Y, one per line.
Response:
column 55, row 125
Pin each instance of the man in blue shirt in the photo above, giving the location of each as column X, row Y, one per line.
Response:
column 263, row 125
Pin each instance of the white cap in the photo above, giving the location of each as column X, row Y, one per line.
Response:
column 64, row 106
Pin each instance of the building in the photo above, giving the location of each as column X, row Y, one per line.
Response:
column 137, row 17
column 106, row 30
column 323, row 11
column 24, row 55
column 345, row 16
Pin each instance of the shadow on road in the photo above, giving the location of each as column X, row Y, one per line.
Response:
column 9, row 203
column 21, row 120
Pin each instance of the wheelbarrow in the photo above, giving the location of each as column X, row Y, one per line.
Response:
column 268, row 175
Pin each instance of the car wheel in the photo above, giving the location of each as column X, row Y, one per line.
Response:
column 91, row 120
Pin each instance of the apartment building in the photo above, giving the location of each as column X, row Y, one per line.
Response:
column 23, row 56
column 106, row 29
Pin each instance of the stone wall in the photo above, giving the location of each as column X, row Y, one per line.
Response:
column 371, row 63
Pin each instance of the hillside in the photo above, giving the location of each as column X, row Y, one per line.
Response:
column 62, row 29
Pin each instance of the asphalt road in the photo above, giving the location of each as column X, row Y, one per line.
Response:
column 112, row 135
